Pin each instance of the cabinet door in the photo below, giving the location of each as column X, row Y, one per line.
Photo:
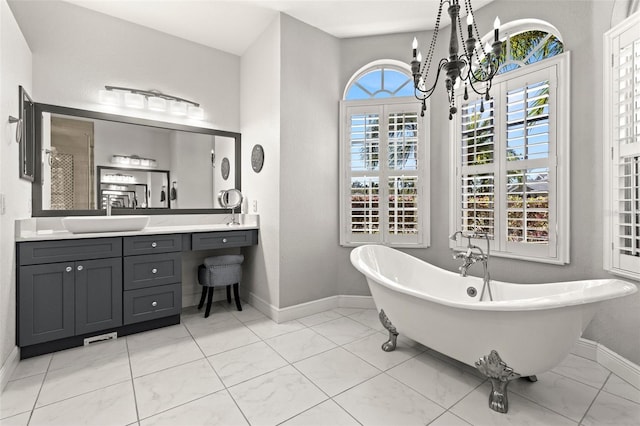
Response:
column 98, row 300
column 45, row 295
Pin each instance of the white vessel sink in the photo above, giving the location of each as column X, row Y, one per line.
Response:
column 88, row 224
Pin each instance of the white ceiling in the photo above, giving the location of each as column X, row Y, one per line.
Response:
column 232, row 25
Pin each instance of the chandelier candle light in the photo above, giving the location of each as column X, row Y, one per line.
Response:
column 476, row 71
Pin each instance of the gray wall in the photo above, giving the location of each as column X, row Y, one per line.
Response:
column 15, row 70
column 582, row 24
column 309, row 163
column 260, row 124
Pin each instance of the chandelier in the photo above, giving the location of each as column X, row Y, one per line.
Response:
column 475, row 67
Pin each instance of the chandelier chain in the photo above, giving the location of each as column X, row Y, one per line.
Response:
column 427, row 65
column 467, row 5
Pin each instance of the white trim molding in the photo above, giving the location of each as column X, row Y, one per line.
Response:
column 309, row 308
column 9, row 367
column 618, row 365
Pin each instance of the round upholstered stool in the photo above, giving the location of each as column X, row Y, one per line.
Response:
column 219, row 271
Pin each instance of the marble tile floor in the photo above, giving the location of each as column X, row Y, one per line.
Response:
column 241, row 368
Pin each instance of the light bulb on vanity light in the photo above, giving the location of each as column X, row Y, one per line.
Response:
column 155, row 103
column 134, row 100
column 110, row 97
column 195, row 112
column 178, row 108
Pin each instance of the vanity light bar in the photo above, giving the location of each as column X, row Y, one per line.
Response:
column 152, row 100
column 133, row 160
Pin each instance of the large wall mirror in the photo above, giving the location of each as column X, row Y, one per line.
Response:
column 89, row 159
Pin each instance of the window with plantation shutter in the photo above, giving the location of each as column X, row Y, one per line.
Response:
column 509, row 181
column 384, row 159
column 622, row 149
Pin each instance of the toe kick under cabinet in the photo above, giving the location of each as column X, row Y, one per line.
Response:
column 73, row 289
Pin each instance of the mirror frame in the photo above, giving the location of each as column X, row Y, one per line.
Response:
column 27, row 149
column 36, row 186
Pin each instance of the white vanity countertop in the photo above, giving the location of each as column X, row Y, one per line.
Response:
column 51, row 228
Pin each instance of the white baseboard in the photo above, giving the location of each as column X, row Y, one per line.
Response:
column 586, row 349
column 619, row 366
column 309, row 308
column 610, row 360
column 9, row 367
column 365, row 302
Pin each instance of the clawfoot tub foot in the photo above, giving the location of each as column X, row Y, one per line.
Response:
column 532, row 379
column 500, row 375
column 390, row 344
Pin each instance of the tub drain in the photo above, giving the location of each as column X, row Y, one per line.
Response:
column 471, row 291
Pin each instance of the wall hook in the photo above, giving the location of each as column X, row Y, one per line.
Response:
column 13, row 120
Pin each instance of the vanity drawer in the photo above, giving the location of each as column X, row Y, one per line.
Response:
column 151, row 303
column 37, row 252
column 151, row 270
column 148, row 244
column 221, row 239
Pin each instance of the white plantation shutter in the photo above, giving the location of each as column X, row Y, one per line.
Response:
column 384, row 189
column 622, row 149
column 507, row 171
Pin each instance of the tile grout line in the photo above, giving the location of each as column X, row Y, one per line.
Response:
column 40, row 390
column 594, row 399
column 133, row 385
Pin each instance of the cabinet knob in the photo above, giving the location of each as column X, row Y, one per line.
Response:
column 154, row 303
column 224, row 240
column 68, row 268
column 154, row 271
column 154, row 244
column 80, row 267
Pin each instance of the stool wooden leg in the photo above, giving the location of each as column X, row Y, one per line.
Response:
column 228, row 294
column 236, row 296
column 204, row 294
column 209, row 299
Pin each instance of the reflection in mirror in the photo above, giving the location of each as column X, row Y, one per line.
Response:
column 86, row 161
column 131, row 188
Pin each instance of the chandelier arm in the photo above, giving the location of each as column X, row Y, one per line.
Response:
column 428, row 92
column 474, row 88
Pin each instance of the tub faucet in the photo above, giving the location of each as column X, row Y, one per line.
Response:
column 472, row 255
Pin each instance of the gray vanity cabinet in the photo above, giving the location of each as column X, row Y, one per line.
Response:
column 46, row 303
column 98, row 301
column 72, row 297
column 152, row 277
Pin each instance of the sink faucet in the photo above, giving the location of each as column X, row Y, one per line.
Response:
column 108, row 204
column 472, row 255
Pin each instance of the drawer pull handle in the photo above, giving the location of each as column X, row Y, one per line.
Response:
column 154, row 271
column 224, row 240
column 80, row 267
column 154, row 244
column 68, row 268
column 154, row 303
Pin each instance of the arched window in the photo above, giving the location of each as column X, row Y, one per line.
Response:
column 382, row 81
column 528, row 41
column 384, row 158
column 509, row 177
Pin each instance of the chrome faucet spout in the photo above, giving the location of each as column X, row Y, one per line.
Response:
column 472, row 255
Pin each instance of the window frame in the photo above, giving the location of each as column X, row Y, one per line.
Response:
column 383, row 237
column 615, row 263
column 559, row 231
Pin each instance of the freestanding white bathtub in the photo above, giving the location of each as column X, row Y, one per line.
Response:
column 532, row 327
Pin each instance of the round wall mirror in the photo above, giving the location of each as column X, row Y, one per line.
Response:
column 230, row 198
